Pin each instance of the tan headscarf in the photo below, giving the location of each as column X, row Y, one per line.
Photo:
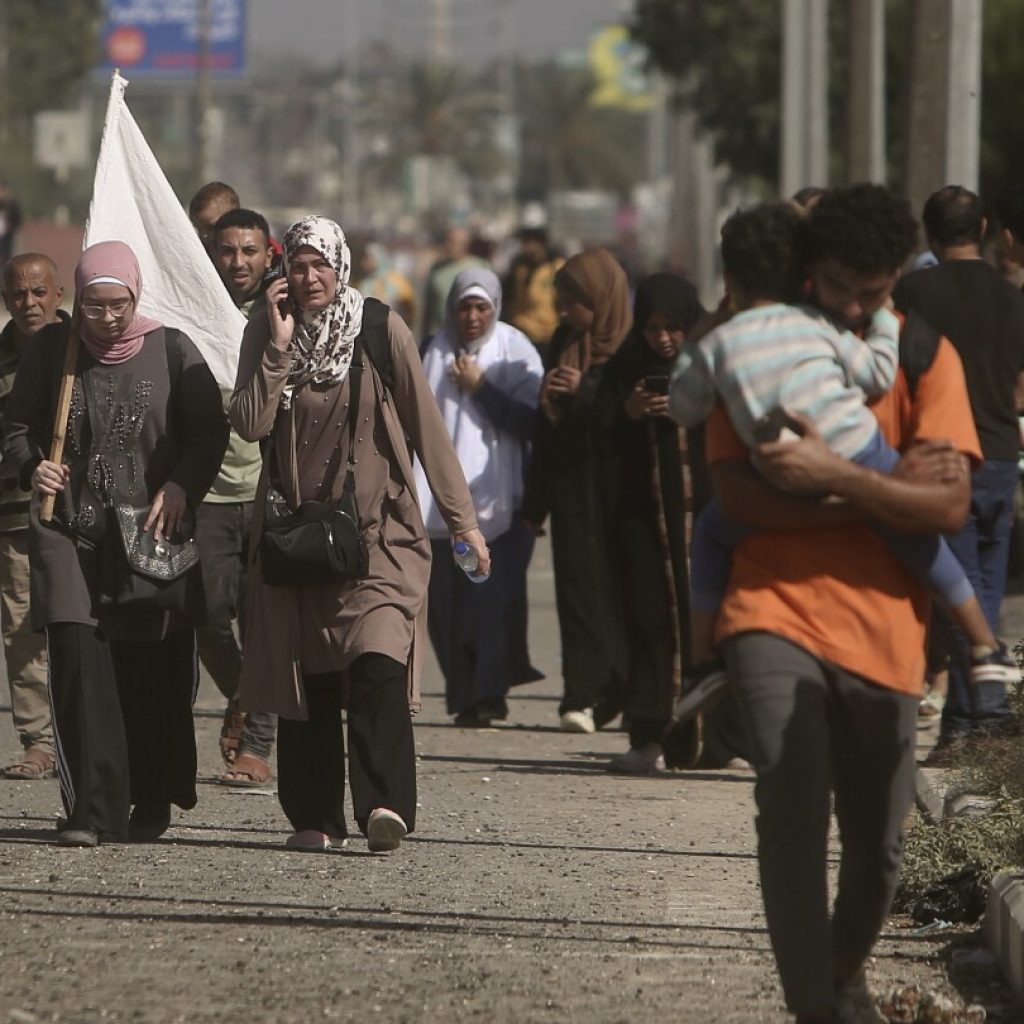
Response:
column 599, row 282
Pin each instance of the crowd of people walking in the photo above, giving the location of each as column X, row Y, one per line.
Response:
column 751, row 510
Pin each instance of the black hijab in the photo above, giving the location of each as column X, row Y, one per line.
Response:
column 669, row 294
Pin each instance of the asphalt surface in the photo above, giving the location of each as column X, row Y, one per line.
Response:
column 539, row 887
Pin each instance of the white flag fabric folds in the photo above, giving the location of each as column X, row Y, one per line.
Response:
column 132, row 201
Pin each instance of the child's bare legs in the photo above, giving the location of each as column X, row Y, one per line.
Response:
column 971, row 620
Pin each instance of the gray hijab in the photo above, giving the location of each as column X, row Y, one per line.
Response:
column 477, row 282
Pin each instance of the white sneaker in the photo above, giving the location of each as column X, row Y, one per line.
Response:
column 385, row 830
column 577, row 721
column 646, row 760
column 309, row 840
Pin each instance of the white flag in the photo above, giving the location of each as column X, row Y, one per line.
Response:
column 133, row 202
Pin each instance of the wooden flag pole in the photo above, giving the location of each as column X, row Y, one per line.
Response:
column 60, row 423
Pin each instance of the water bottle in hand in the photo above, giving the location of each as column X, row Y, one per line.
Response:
column 468, row 561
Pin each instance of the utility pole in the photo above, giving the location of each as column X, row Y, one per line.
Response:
column 865, row 108
column 929, row 99
column 350, row 125
column 804, row 148
column 441, row 41
column 202, row 151
column 963, row 111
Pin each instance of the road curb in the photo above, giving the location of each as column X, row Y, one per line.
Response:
column 1004, row 927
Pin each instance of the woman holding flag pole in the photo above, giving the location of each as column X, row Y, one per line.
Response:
column 114, row 572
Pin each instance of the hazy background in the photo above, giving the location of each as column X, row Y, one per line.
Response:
column 317, row 31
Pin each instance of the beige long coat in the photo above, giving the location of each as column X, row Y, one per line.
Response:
column 291, row 631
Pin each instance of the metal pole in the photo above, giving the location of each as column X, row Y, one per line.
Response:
column 929, row 99
column 865, row 111
column 442, row 32
column 350, row 139
column 963, row 113
column 816, row 92
column 794, row 76
column 202, row 92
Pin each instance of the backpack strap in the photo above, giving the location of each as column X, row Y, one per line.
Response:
column 377, row 342
column 919, row 342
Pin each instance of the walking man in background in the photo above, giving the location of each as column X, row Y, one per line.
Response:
column 241, row 252
column 966, row 299
column 32, row 295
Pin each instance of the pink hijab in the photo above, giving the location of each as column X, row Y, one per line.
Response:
column 112, row 263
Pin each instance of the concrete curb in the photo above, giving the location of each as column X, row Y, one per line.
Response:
column 1004, row 927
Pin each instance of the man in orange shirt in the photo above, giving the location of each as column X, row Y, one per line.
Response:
column 822, row 630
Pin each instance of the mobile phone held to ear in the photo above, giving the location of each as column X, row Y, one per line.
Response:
column 777, row 425
column 656, row 383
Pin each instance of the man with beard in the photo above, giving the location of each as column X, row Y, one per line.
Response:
column 241, row 251
column 822, row 629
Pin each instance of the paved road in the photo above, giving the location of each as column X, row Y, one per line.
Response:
column 538, row 888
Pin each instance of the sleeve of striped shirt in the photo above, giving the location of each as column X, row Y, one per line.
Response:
column 871, row 362
column 692, row 389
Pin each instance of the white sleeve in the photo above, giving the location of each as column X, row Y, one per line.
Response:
column 871, row 362
column 692, row 394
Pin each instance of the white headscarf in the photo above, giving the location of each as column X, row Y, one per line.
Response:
column 324, row 338
column 491, row 459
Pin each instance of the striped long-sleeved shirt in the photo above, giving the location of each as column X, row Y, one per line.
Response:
column 789, row 356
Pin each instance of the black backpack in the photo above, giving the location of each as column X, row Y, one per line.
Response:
column 919, row 342
column 376, row 341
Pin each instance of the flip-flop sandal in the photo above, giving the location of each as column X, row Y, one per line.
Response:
column 231, row 732
column 248, row 772
column 36, row 763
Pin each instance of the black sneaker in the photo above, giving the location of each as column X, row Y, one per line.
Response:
column 81, row 837
column 483, row 713
column 999, row 666
column 149, row 822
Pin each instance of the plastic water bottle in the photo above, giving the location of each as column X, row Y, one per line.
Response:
column 466, row 559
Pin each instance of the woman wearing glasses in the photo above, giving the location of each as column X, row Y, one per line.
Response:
column 145, row 437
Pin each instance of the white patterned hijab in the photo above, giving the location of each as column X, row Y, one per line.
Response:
column 324, row 338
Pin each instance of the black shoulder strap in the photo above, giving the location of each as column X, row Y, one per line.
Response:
column 919, row 342
column 175, row 354
column 376, row 340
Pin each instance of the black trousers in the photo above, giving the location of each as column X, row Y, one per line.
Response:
column 382, row 757
column 122, row 715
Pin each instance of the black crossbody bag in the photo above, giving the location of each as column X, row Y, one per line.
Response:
column 321, row 541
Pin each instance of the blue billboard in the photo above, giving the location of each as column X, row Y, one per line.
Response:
column 160, row 38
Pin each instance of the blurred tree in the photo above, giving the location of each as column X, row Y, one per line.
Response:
column 1002, row 71
column 46, row 48
column 724, row 62
column 567, row 142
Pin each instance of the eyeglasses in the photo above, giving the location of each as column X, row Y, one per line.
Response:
column 116, row 309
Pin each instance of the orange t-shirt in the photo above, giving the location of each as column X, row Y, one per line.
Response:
column 840, row 593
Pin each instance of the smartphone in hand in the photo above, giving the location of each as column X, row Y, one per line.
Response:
column 656, row 383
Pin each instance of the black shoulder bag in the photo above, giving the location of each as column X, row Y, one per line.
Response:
column 321, row 541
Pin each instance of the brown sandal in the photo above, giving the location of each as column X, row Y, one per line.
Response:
column 247, row 772
column 35, row 763
column 231, row 732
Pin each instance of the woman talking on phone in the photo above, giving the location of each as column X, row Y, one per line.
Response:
column 571, row 477
column 336, row 382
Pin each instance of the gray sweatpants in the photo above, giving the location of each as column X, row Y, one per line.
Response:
column 815, row 729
